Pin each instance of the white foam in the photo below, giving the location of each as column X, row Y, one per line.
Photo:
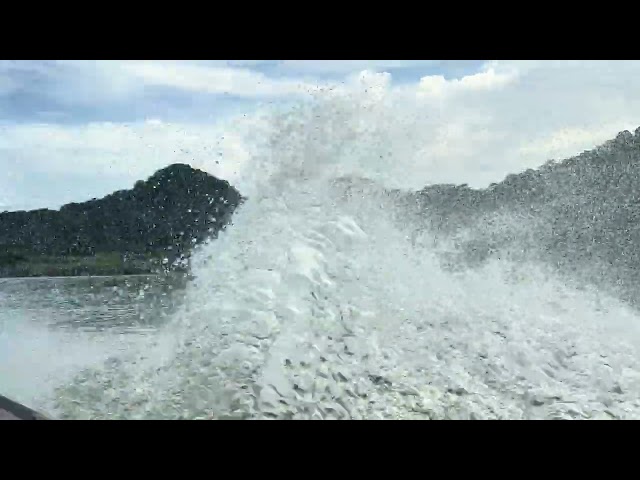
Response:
column 318, row 305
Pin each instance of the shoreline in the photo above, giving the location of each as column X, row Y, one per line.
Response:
column 101, row 264
column 35, row 277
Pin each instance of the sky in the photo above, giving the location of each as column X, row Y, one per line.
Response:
column 75, row 130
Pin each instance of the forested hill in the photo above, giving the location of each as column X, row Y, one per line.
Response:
column 165, row 215
column 580, row 215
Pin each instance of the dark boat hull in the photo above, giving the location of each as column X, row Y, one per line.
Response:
column 10, row 410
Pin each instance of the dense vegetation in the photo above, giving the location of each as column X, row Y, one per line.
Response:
column 129, row 231
column 580, row 215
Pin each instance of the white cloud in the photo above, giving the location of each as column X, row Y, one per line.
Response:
column 134, row 150
column 375, row 85
column 571, row 139
column 474, row 129
column 109, row 156
column 491, row 78
column 250, row 63
column 76, row 83
column 216, row 79
column 68, row 81
column 350, row 66
column 516, row 115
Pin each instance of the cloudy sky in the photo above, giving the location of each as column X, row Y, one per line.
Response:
column 73, row 130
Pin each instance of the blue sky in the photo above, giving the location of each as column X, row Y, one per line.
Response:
column 100, row 91
column 72, row 130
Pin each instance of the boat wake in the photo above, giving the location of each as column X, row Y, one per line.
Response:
column 325, row 300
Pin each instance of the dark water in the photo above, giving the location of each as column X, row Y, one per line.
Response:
column 126, row 304
column 50, row 327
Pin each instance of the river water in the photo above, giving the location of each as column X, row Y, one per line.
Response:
column 49, row 327
column 318, row 303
